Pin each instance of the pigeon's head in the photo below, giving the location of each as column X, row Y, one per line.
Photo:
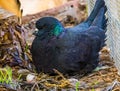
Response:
column 48, row 26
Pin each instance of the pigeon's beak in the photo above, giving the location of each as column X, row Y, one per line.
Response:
column 35, row 32
column 39, row 32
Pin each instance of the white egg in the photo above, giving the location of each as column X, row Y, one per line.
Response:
column 31, row 78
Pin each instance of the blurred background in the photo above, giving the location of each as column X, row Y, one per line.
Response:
column 35, row 6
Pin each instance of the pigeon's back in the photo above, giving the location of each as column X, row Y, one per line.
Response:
column 87, row 23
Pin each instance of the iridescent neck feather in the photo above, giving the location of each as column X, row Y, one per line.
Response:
column 57, row 30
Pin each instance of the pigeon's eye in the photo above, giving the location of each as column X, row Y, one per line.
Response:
column 52, row 27
column 43, row 26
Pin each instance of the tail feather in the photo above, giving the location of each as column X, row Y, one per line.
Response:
column 98, row 5
column 100, row 19
column 105, row 24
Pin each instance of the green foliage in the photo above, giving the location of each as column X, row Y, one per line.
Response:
column 6, row 75
column 77, row 86
column 26, row 47
column 93, row 84
column 93, row 89
column 19, row 77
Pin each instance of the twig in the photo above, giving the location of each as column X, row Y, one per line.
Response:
column 36, row 84
column 115, row 82
column 60, row 74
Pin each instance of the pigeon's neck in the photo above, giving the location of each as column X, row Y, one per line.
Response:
column 57, row 30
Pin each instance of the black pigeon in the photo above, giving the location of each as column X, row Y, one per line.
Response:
column 69, row 50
